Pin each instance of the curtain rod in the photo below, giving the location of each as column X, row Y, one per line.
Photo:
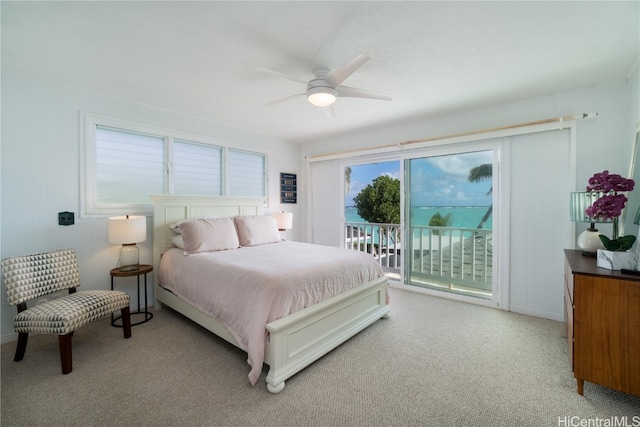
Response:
column 403, row 144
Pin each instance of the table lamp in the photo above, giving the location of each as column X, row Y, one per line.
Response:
column 128, row 230
column 284, row 221
column 589, row 240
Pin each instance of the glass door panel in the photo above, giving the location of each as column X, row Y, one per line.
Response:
column 372, row 212
column 448, row 212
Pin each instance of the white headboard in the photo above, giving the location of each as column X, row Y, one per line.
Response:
column 170, row 209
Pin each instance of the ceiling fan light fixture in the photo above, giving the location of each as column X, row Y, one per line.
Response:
column 322, row 96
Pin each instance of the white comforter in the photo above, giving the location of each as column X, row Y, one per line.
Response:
column 247, row 288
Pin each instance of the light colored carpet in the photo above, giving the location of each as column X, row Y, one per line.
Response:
column 434, row 362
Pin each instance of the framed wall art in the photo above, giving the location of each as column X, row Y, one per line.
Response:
column 288, row 188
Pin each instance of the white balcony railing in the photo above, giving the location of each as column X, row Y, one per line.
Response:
column 460, row 259
column 366, row 237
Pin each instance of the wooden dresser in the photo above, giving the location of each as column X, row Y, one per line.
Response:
column 602, row 315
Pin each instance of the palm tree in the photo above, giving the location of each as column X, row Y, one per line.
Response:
column 482, row 173
column 347, row 179
column 437, row 220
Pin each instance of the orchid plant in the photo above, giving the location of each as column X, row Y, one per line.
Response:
column 609, row 206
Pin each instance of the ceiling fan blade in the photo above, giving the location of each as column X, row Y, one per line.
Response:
column 346, row 91
column 286, row 98
column 339, row 75
column 281, row 74
column 329, row 111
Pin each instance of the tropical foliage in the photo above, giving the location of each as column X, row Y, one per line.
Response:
column 437, row 220
column 347, row 179
column 478, row 174
column 379, row 202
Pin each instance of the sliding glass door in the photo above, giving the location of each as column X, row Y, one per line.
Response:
column 449, row 219
column 481, row 221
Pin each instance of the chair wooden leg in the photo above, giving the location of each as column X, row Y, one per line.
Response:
column 126, row 321
column 65, row 352
column 22, row 346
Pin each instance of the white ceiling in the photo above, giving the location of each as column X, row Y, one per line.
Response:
column 202, row 58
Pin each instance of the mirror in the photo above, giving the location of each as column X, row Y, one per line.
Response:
column 628, row 227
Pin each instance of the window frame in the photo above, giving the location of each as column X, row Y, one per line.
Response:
column 90, row 208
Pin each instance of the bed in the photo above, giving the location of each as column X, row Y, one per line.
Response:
column 289, row 343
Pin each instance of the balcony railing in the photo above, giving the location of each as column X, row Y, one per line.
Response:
column 366, row 237
column 460, row 259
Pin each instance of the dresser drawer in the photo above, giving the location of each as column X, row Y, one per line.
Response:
column 568, row 319
column 568, row 280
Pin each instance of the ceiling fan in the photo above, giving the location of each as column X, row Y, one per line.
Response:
column 325, row 87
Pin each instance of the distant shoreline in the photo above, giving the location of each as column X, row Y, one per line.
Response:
column 461, row 216
column 438, row 207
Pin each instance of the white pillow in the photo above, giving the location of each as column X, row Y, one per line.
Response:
column 176, row 225
column 209, row 235
column 177, row 241
column 256, row 230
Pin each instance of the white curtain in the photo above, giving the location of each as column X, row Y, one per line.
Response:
column 326, row 220
column 540, row 182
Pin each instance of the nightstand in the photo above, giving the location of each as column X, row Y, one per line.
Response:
column 142, row 270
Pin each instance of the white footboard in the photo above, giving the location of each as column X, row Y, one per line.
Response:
column 299, row 339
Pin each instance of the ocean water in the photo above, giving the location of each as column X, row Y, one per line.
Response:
column 461, row 217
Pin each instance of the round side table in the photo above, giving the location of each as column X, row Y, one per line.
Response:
column 142, row 270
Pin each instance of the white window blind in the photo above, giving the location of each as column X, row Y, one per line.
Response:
column 126, row 162
column 197, row 169
column 129, row 166
column 246, row 172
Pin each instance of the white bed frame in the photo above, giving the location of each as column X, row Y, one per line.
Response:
column 297, row 340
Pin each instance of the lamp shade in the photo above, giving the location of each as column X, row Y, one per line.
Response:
column 579, row 203
column 284, row 220
column 127, row 229
column 589, row 240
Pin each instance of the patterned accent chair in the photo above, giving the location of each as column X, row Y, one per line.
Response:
column 37, row 275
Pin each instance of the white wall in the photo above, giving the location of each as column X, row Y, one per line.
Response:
column 602, row 143
column 41, row 175
column 633, row 124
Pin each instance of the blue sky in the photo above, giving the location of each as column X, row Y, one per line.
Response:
column 435, row 181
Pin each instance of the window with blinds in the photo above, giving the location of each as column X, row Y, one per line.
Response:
column 129, row 166
column 197, row 169
column 246, row 173
column 125, row 163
